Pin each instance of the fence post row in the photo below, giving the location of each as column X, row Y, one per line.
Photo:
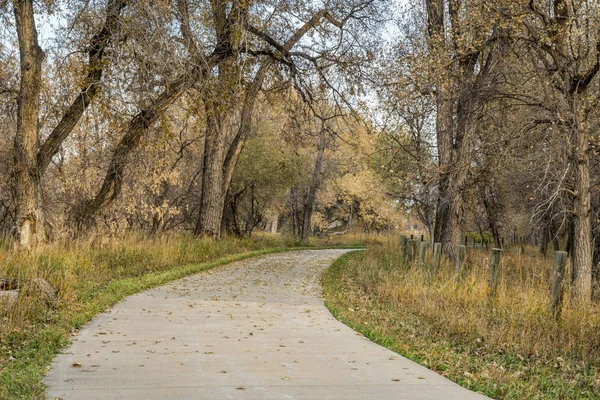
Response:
column 494, row 277
column 411, row 246
column 557, row 289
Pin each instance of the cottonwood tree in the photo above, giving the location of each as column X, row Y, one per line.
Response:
column 32, row 156
column 462, row 57
column 565, row 37
column 213, row 59
column 223, row 147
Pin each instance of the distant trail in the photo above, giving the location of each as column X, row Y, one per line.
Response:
column 253, row 329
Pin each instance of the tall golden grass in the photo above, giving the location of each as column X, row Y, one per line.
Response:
column 496, row 343
column 80, row 269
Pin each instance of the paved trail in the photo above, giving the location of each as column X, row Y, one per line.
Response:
column 253, row 329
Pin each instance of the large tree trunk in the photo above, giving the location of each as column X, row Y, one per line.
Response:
column 575, row 84
column 30, row 215
column 452, row 150
column 315, row 183
column 448, row 215
column 446, row 229
column 582, row 224
column 212, row 198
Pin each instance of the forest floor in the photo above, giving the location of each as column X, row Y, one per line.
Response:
column 253, row 329
column 507, row 347
column 93, row 276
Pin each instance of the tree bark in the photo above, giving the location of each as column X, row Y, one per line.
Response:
column 315, row 183
column 582, row 235
column 544, row 242
column 448, row 210
column 575, row 84
column 30, row 216
column 212, row 198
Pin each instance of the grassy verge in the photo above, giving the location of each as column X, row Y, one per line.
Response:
column 507, row 349
column 93, row 277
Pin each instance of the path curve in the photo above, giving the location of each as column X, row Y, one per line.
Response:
column 254, row 329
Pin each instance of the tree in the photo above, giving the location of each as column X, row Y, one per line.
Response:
column 31, row 157
column 571, row 61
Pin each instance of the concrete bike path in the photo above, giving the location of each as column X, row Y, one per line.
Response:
column 254, row 329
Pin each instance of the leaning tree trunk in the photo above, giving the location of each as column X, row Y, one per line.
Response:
column 246, row 117
column 30, row 216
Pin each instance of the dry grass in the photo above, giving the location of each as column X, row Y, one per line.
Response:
column 507, row 347
column 80, row 269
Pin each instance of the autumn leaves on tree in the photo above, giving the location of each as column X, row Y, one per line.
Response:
column 225, row 51
column 225, row 116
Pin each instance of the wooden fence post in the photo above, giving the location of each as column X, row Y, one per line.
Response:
column 403, row 245
column 494, row 278
column 422, row 250
column 412, row 251
column 461, row 252
column 557, row 289
column 437, row 257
